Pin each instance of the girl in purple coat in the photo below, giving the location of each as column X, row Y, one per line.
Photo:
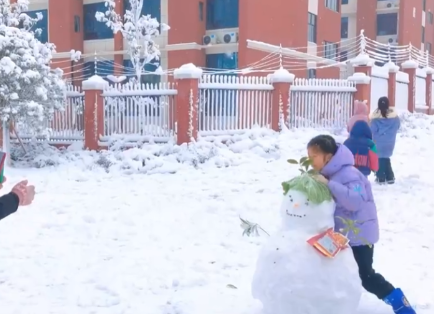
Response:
column 352, row 193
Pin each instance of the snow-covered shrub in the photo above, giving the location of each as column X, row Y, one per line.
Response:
column 139, row 30
column 30, row 91
column 155, row 158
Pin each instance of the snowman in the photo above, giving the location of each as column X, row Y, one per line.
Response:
column 291, row 275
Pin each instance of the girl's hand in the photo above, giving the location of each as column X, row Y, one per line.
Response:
column 320, row 178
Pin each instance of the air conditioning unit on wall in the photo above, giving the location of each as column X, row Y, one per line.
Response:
column 228, row 38
column 209, row 39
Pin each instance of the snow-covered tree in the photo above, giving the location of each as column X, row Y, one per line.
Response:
column 30, row 91
column 139, row 30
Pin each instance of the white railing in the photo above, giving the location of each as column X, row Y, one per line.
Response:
column 229, row 104
column 322, row 103
column 66, row 126
column 139, row 112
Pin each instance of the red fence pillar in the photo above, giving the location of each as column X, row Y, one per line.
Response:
column 93, row 111
column 363, row 87
column 282, row 81
column 428, row 89
column 362, row 77
column 391, row 87
column 410, row 67
column 187, row 100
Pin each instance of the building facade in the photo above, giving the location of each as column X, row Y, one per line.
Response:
column 208, row 33
column 394, row 22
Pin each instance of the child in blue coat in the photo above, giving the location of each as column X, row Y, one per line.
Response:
column 385, row 124
column 363, row 148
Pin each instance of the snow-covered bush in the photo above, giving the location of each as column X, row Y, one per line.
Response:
column 139, row 30
column 30, row 91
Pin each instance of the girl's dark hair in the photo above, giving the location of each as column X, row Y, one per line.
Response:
column 325, row 143
column 383, row 106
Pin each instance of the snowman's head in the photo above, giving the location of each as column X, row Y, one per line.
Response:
column 307, row 205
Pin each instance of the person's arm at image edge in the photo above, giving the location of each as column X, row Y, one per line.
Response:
column 8, row 204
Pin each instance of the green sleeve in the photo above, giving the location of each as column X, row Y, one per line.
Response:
column 373, row 147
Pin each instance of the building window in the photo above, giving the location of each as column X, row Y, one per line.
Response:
column 147, row 77
column 330, row 50
column 423, row 35
column 200, row 11
column 92, row 28
column 344, row 27
column 387, row 24
column 424, row 5
column 311, row 73
column 344, row 2
column 428, row 48
column 311, row 27
column 76, row 24
column 430, row 17
column 386, row 53
column 222, row 61
column 221, row 101
column 343, row 56
column 41, row 25
column 222, row 14
column 332, row 5
column 150, row 7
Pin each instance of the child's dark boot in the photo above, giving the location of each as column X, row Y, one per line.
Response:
column 399, row 302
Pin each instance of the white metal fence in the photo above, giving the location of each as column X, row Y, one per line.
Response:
column 229, row 103
column 323, row 103
column 139, row 112
column 66, row 126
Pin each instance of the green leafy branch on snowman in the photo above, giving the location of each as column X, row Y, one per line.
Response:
column 350, row 226
column 305, row 165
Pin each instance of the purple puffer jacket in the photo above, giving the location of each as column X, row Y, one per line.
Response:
column 352, row 193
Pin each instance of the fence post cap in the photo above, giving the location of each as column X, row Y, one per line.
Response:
column 282, row 76
column 429, row 70
column 94, row 83
column 410, row 64
column 360, row 78
column 362, row 59
column 392, row 67
column 188, row 71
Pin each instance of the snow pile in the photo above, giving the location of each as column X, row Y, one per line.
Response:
column 97, row 242
column 154, row 158
column 416, row 125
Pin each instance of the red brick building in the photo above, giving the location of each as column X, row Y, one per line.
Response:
column 208, row 33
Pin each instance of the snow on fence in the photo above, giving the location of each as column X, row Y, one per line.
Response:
column 139, row 112
column 379, row 85
column 230, row 104
column 323, row 103
column 421, row 89
column 67, row 126
column 401, row 91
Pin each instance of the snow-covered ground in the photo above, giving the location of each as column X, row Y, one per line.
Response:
column 107, row 235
